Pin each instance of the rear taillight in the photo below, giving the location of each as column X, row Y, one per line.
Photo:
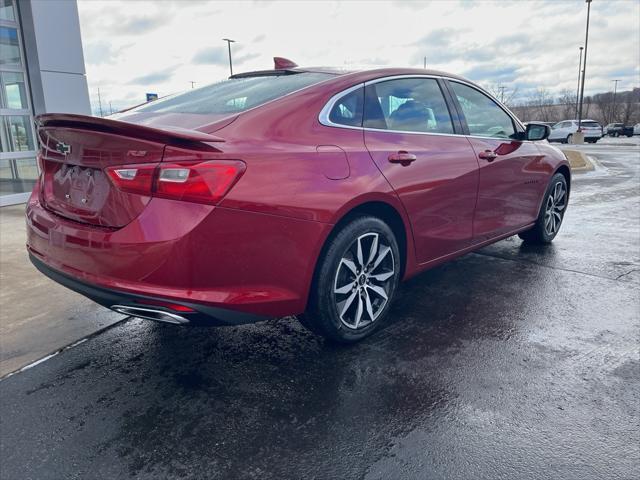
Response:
column 133, row 178
column 201, row 182
column 206, row 182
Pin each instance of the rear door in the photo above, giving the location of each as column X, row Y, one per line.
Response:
column 513, row 175
column 409, row 132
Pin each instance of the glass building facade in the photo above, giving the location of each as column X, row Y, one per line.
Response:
column 18, row 169
column 41, row 71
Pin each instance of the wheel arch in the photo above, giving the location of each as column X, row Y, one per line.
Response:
column 387, row 212
column 566, row 173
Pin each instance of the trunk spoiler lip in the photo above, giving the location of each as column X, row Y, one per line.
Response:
column 166, row 133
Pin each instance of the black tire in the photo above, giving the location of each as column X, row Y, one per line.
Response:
column 332, row 273
column 569, row 138
column 540, row 233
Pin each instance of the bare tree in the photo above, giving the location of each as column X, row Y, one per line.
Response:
column 586, row 107
column 542, row 102
column 630, row 106
column 567, row 103
column 503, row 93
column 523, row 110
column 604, row 102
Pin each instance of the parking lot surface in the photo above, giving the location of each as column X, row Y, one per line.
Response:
column 512, row 362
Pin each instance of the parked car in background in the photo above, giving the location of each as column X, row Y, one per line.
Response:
column 627, row 131
column 564, row 131
column 619, row 130
column 549, row 124
column 612, row 128
column 636, row 129
column 287, row 191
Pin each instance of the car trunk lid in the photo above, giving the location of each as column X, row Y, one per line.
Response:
column 75, row 150
column 591, row 127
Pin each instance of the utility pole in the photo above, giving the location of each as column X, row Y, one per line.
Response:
column 192, row 83
column 229, row 42
column 578, row 89
column 425, row 63
column 110, row 109
column 615, row 89
column 100, row 103
column 501, row 87
column 584, row 66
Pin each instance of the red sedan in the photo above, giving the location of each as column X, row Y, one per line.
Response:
column 289, row 191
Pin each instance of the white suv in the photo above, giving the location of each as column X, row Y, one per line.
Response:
column 563, row 131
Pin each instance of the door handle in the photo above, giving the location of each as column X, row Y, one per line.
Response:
column 402, row 157
column 488, row 155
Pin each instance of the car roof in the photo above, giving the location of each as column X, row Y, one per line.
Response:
column 575, row 120
column 357, row 75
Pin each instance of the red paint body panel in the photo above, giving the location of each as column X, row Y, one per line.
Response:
column 80, row 174
column 189, row 252
column 511, row 186
column 256, row 251
column 438, row 190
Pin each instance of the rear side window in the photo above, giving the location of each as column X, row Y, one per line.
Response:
column 348, row 109
column 234, row 95
column 484, row 117
column 407, row 104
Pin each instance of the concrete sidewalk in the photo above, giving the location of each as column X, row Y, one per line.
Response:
column 37, row 316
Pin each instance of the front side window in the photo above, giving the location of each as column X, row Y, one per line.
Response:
column 234, row 95
column 407, row 104
column 484, row 117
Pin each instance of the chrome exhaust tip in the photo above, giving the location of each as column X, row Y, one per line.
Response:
column 150, row 314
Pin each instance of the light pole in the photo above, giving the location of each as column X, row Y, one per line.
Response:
column 229, row 42
column 584, row 67
column 578, row 89
column 615, row 89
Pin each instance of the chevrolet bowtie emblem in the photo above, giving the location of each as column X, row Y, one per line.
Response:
column 63, row 148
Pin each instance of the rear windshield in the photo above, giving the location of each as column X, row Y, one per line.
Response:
column 591, row 124
column 234, row 95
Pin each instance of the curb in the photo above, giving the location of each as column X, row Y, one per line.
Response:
column 578, row 160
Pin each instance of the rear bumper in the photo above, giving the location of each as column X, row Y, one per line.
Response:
column 228, row 264
column 202, row 315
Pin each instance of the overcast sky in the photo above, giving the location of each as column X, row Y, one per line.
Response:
column 134, row 47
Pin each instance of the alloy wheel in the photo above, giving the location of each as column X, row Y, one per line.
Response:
column 363, row 280
column 554, row 208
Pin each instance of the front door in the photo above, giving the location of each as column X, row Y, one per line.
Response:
column 409, row 134
column 513, row 174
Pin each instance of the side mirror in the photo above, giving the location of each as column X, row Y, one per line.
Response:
column 537, row 131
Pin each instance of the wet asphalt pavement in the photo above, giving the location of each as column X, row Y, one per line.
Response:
column 513, row 362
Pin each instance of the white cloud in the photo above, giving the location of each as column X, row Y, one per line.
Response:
column 138, row 47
